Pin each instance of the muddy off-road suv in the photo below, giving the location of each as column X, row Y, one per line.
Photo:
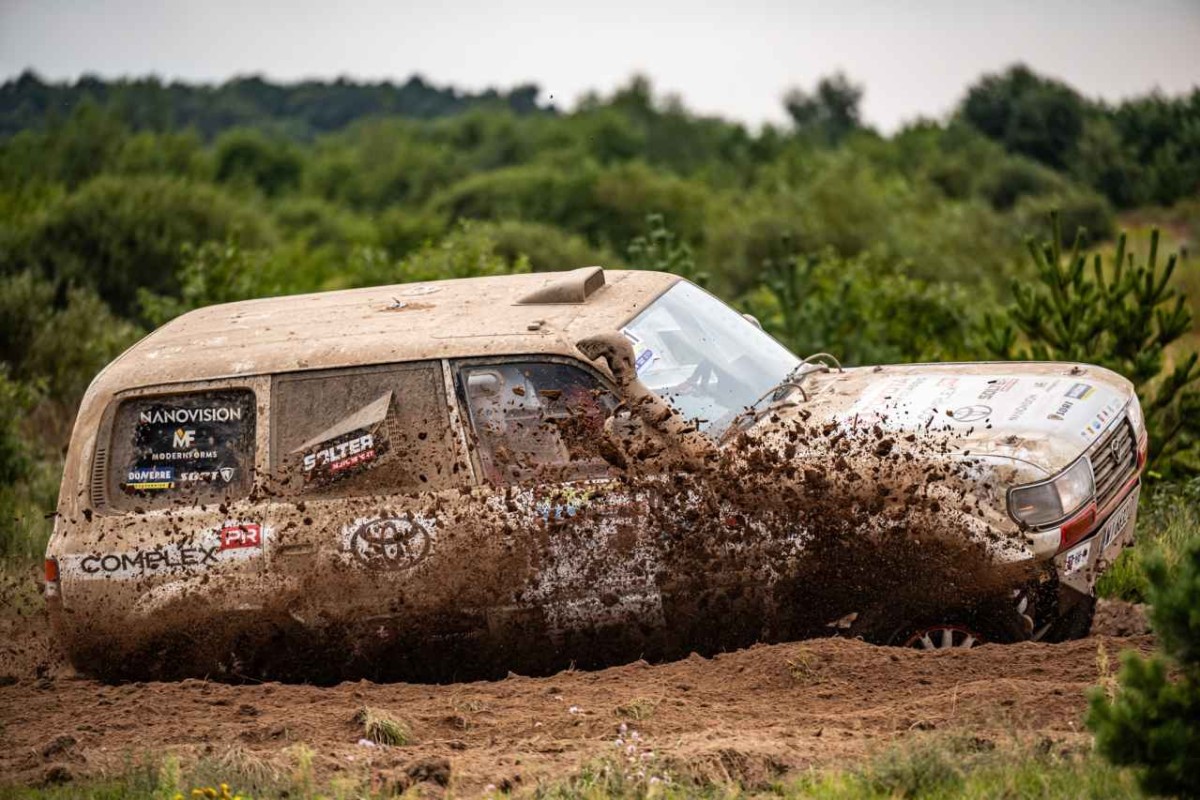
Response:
column 468, row 477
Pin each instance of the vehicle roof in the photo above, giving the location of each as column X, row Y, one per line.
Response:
column 402, row 322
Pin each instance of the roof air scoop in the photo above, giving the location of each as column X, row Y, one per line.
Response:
column 566, row 288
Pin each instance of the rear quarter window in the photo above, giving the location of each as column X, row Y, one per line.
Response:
column 186, row 448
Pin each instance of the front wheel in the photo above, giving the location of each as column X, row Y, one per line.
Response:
column 988, row 623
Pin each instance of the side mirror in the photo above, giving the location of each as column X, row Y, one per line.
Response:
column 648, row 410
column 617, row 353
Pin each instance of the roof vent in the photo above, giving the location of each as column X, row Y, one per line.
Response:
column 566, row 288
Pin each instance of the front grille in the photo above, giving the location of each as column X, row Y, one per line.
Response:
column 1114, row 461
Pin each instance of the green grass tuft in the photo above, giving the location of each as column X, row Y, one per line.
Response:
column 381, row 728
column 1169, row 518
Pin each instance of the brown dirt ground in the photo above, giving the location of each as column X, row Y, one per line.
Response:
column 750, row 716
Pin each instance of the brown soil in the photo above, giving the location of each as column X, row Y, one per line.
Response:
column 749, row 716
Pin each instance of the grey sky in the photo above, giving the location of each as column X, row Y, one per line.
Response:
column 723, row 56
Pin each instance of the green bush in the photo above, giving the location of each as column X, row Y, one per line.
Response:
column 57, row 339
column 1168, row 522
column 249, row 157
column 1152, row 721
column 469, row 251
column 1122, row 315
column 860, row 311
column 1077, row 210
column 547, row 248
column 119, row 235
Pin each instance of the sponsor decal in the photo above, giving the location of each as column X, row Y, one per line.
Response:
column 1022, row 407
column 342, row 456
column 1110, row 410
column 233, row 542
column 180, row 416
column 971, row 413
column 1077, row 559
column 143, row 561
column 1060, row 413
column 183, row 439
column 186, row 455
column 996, row 387
column 224, row 474
column 148, row 478
column 235, row 535
column 390, row 543
column 643, row 359
column 1080, row 391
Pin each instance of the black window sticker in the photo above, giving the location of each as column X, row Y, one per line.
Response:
column 189, row 443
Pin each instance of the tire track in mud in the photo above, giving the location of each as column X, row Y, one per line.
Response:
column 749, row 716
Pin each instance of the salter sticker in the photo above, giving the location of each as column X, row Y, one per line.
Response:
column 335, row 457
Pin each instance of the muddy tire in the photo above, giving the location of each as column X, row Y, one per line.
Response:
column 996, row 622
column 1073, row 623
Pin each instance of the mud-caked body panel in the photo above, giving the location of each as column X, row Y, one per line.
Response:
column 435, row 481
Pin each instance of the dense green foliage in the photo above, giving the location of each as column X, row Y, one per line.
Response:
column 126, row 203
column 299, row 109
column 1153, row 720
column 1124, row 316
column 1145, row 150
column 1168, row 524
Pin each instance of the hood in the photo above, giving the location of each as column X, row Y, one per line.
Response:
column 1042, row 413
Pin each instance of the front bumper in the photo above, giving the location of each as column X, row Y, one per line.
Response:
column 1079, row 567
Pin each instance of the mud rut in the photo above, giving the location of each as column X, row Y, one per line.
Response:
column 750, row 716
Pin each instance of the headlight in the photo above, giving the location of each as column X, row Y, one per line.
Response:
column 1135, row 417
column 1051, row 501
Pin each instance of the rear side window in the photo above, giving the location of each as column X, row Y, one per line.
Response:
column 375, row 430
column 188, row 448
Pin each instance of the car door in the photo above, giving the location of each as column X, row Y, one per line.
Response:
column 374, row 509
column 554, row 495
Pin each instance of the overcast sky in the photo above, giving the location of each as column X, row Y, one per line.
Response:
column 731, row 57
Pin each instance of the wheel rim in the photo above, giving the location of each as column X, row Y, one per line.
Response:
column 944, row 637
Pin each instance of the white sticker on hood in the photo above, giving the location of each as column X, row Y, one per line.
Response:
column 1031, row 403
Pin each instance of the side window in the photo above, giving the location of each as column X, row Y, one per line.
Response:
column 537, row 421
column 182, row 448
column 373, row 430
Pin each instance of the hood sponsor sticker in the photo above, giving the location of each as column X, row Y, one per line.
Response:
column 955, row 402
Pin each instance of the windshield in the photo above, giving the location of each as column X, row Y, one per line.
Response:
column 704, row 358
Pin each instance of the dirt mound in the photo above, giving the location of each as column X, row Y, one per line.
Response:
column 746, row 717
column 1117, row 618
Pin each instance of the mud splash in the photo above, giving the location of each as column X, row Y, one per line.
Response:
column 797, row 532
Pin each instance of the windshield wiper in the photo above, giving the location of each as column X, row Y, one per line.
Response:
column 793, row 380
